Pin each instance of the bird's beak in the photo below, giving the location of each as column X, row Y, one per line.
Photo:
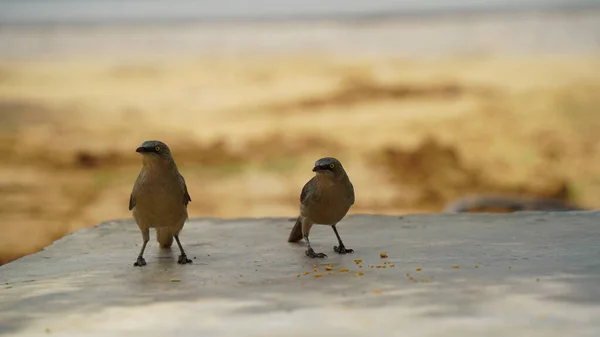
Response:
column 321, row 168
column 141, row 149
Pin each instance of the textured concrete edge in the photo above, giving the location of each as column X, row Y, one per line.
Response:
column 354, row 215
column 523, row 272
column 288, row 219
column 517, row 214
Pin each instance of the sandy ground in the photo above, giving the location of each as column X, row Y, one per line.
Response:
column 245, row 129
column 245, row 132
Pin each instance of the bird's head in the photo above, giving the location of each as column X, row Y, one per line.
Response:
column 329, row 167
column 152, row 150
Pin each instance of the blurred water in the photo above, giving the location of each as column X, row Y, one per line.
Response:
column 107, row 11
column 156, row 28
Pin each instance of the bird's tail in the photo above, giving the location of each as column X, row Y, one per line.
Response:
column 164, row 237
column 296, row 233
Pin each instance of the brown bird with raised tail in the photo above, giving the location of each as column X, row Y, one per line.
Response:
column 325, row 200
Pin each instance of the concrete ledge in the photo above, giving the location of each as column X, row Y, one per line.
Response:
column 537, row 274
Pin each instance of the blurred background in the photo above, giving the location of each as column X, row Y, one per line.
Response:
column 424, row 101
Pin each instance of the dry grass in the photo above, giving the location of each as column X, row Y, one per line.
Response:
column 412, row 134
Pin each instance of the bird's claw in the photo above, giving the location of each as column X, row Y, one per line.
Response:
column 183, row 259
column 139, row 262
column 311, row 253
column 343, row 250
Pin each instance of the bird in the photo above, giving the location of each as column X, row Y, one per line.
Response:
column 159, row 198
column 325, row 199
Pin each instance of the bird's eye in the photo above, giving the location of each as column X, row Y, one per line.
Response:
column 331, row 165
column 157, row 148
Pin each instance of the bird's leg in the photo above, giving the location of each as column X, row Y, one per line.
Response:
column 310, row 252
column 182, row 258
column 341, row 249
column 140, row 259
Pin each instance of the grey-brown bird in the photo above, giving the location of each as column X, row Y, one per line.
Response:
column 325, row 200
column 159, row 198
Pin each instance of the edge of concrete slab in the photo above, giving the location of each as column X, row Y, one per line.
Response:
column 525, row 273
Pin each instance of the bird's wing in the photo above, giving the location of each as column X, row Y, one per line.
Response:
column 186, row 195
column 134, row 193
column 309, row 186
column 351, row 193
column 131, row 202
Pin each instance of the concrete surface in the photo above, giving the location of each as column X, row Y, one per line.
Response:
column 538, row 274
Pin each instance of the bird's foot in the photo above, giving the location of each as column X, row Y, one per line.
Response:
column 183, row 259
column 343, row 250
column 139, row 262
column 311, row 253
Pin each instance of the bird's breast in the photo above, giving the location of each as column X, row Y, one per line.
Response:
column 328, row 207
column 159, row 203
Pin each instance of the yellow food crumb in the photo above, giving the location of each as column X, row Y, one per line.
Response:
column 328, row 268
column 456, row 267
column 343, row 270
column 315, row 270
column 476, row 266
column 377, row 291
column 360, row 273
column 418, row 269
column 318, row 275
column 392, row 265
column 383, row 255
column 175, row 280
column 357, row 261
column 360, row 266
column 306, row 272
column 298, row 275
